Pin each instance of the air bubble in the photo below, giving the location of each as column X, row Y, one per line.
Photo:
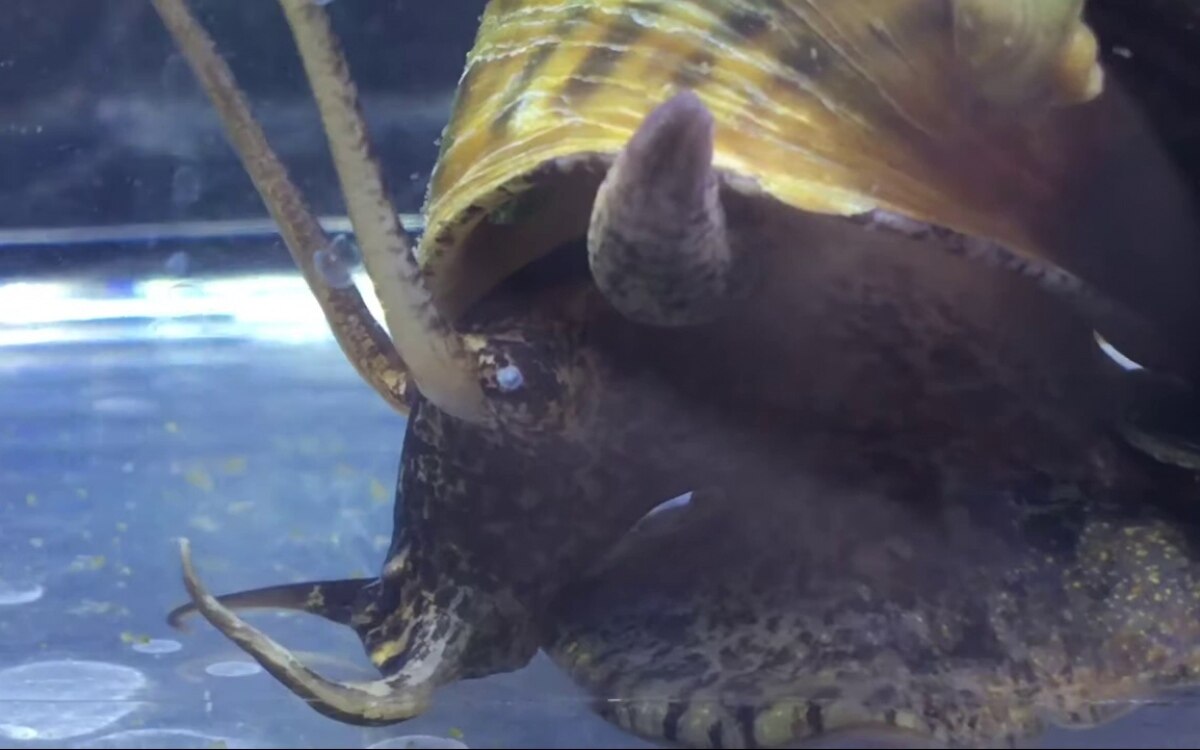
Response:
column 509, row 378
column 233, row 668
column 336, row 262
column 12, row 595
column 56, row 700
column 418, row 741
column 346, row 250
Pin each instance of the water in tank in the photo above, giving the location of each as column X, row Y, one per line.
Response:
column 628, row 373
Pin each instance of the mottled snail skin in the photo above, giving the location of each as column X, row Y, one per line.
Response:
column 827, row 614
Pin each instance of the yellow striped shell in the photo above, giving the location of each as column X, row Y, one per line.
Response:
column 919, row 106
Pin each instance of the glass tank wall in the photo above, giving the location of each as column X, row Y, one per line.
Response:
column 166, row 374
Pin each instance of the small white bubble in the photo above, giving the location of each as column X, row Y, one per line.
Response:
column 12, row 595
column 233, row 668
column 19, row 733
column 158, row 646
column 509, row 378
column 335, row 262
column 346, row 250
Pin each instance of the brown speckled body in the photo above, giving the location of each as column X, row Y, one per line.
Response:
column 937, row 535
column 969, row 622
column 896, row 382
column 872, row 401
column 927, row 523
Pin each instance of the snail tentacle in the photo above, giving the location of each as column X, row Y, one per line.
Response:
column 360, row 336
column 377, row 703
column 658, row 244
column 436, row 354
column 333, row 600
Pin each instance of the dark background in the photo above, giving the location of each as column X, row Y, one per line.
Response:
column 101, row 121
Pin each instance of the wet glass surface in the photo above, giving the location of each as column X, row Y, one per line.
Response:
column 151, row 428
column 116, row 447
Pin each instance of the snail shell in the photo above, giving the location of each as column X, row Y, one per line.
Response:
column 981, row 117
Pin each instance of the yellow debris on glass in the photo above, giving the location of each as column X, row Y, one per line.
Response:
column 88, row 562
column 199, row 479
column 239, row 507
column 235, row 465
column 379, row 492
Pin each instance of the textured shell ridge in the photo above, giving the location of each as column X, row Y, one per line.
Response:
column 834, row 108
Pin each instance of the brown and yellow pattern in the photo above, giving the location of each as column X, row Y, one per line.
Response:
column 834, row 107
